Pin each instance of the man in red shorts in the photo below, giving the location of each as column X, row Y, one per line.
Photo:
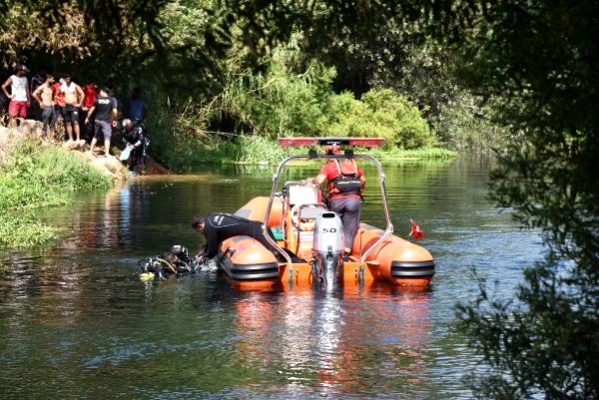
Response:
column 20, row 96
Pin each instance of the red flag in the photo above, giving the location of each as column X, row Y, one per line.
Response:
column 416, row 232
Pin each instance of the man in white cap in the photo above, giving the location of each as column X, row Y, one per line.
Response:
column 20, row 96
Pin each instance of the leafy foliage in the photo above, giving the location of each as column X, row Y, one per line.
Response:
column 288, row 99
column 379, row 113
column 541, row 58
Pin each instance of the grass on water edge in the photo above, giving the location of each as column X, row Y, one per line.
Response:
column 260, row 150
column 35, row 176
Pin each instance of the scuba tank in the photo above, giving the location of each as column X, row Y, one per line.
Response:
column 175, row 262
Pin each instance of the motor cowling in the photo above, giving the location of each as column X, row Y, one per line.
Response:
column 328, row 248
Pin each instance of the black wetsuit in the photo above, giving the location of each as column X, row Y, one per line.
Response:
column 222, row 226
column 138, row 138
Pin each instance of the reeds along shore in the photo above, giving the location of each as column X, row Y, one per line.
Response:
column 34, row 175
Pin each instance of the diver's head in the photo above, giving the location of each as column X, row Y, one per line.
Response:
column 198, row 223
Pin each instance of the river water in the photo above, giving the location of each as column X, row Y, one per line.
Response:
column 75, row 321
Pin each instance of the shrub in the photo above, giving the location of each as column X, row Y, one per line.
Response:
column 379, row 113
column 284, row 100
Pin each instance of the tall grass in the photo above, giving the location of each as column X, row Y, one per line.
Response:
column 33, row 177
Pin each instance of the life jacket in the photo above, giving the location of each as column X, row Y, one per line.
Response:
column 347, row 181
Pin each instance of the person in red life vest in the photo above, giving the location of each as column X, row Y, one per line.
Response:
column 345, row 184
column 58, row 96
column 90, row 93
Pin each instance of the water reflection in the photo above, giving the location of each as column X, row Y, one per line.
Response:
column 75, row 320
column 346, row 343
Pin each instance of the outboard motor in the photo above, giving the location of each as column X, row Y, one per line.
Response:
column 328, row 249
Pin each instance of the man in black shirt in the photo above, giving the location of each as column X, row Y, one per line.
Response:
column 106, row 111
column 217, row 227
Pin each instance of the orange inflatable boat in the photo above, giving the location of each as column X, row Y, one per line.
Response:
column 301, row 224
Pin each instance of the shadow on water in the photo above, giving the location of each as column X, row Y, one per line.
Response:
column 76, row 321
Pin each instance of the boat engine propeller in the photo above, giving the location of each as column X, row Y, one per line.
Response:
column 328, row 249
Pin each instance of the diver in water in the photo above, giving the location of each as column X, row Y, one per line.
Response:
column 175, row 262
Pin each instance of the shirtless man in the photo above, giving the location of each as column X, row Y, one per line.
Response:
column 73, row 96
column 44, row 95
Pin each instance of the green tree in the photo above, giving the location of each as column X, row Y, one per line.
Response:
column 541, row 58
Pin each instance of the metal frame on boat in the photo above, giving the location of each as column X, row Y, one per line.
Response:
column 382, row 257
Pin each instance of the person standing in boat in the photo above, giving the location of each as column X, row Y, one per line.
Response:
column 218, row 227
column 345, row 184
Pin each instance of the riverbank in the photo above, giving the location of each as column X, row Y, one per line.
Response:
column 34, row 175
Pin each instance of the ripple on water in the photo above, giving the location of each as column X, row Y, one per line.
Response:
column 77, row 321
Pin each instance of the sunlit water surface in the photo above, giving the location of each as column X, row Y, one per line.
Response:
column 75, row 321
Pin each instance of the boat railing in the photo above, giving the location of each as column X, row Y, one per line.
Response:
column 312, row 155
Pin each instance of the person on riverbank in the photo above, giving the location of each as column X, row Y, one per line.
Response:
column 38, row 79
column 135, row 108
column 20, row 96
column 59, row 104
column 105, row 119
column 137, row 140
column 73, row 97
column 345, row 184
column 44, row 96
column 90, row 93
